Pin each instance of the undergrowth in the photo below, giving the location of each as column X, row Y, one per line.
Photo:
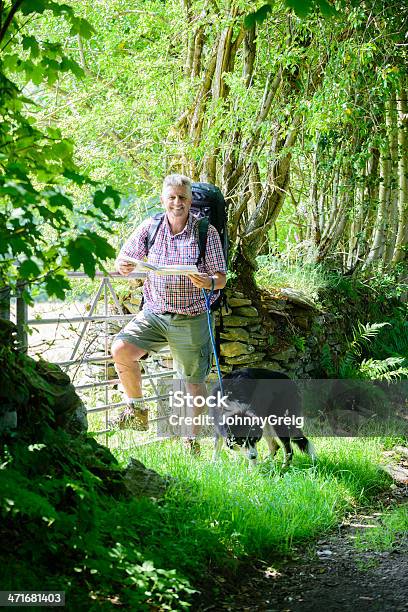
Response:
column 68, row 524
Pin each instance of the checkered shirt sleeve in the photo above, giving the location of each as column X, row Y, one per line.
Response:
column 135, row 245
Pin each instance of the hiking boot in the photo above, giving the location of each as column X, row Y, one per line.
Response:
column 131, row 418
column 192, row 446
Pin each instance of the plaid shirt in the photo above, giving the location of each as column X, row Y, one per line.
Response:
column 175, row 293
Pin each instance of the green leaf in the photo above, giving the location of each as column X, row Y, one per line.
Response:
column 82, row 27
column 101, row 247
column 60, row 9
column 79, row 179
column 63, row 149
column 58, row 199
column 56, row 286
column 301, row 7
column 70, row 65
column 74, row 255
column 258, row 16
column 100, row 196
column 34, row 6
column 29, row 269
column 29, row 42
column 89, row 266
column 326, row 8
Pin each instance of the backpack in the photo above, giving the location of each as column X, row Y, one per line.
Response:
column 210, row 207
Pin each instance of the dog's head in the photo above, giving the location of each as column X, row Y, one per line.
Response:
column 241, row 430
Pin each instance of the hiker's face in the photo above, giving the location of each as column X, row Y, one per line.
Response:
column 177, row 202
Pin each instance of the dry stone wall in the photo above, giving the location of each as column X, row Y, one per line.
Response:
column 284, row 334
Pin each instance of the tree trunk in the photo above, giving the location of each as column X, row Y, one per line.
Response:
column 402, row 234
column 392, row 226
column 378, row 237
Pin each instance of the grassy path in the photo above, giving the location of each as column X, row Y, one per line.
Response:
column 217, row 516
column 333, row 574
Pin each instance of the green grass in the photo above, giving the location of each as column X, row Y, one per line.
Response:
column 67, row 526
column 274, row 273
column 393, row 525
column 265, row 510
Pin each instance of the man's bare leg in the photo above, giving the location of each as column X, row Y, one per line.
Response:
column 196, row 390
column 126, row 359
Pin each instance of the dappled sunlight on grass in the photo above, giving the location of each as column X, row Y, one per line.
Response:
column 265, row 509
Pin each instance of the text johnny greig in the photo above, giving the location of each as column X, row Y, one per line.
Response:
column 179, row 399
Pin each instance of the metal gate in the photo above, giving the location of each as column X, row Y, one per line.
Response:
column 154, row 371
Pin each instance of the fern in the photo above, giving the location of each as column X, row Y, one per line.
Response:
column 350, row 367
column 383, row 369
column 363, row 335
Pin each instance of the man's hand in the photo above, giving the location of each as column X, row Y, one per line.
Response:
column 200, row 280
column 124, row 267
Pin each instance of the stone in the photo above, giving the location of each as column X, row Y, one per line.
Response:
column 141, row 481
column 274, row 303
column 257, row 334
column 235, row 302
column 272, row 365
column 235, row 294
column 279, row 313
column 132, row 307
column 245, row 359
column 246, row 311
column 8, row 421
column 233, row 349
column 236, row 321
column 298, row 297
column 254, row 328
column 226, row 311
column 303, row 322
column 236, row 333
column 284, row 356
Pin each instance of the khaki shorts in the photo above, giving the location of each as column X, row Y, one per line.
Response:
column 187, row 336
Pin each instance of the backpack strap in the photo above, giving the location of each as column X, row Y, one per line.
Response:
column 202, row 228
column 157, row 220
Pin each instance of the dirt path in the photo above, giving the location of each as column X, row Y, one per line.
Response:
column 332, row 576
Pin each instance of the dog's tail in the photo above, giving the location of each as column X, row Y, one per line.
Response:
column 305, row 446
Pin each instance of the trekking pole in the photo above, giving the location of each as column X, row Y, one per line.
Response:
column 207, row 297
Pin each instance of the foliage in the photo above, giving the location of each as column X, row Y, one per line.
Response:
column 75, row 532
column 170, row 108
column 266, row 511
column 352, row 363
column 277, row 272
column 40, row 234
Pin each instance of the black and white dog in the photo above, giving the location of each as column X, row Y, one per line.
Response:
column 260, row 403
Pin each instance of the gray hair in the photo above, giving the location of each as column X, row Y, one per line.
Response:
column 177, row 180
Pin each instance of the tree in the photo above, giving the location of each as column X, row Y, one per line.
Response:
column 284, row 112
column 41, row 236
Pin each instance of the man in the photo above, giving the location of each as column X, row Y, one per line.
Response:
column 174, row 311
